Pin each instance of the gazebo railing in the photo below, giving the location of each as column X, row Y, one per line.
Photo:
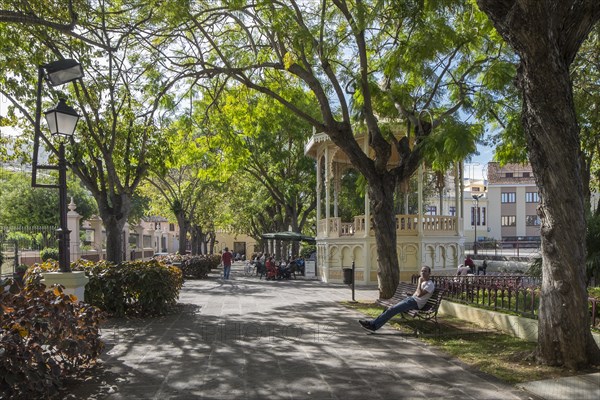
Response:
column 406, row 225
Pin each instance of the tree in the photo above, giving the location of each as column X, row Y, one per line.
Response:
column 351, row 56
column 47, row 15
column 585, row 73
column 547, row 35
column 266, row 145
column 20, row 204
column 119, row 99
column 179, row 180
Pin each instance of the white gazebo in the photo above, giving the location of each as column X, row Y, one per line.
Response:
column 434, row 240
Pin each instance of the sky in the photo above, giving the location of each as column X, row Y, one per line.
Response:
column 477, row 168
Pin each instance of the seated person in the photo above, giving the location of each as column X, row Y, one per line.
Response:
column 300, row 264
column 425, row 289
column 463, row 270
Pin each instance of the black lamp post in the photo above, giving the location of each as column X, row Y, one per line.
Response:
column 476, row 198
column 61, row 120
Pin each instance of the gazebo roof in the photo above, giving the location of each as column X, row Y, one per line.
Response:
column 319, row 141
column 288, row 236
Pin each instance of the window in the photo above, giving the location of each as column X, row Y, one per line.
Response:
column 474, row 189
column 171, row 227
column 508, row 197
column 532, row 220
column 526, row 175
column 431, row 210
column 452, row 211
column 480, row 217
column 509, row 175
column 509, row 220
column 532, row 197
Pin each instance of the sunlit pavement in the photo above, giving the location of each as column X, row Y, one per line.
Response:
column 247, row 338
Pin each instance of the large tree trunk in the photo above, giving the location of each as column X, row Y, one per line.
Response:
column 114, row 218
column 381, row 193
column 547, row 34
column 184, row 226
column 552, row 135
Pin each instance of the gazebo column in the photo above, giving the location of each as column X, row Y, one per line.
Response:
column 458, row 200
column 420, row 256
column 365, row 148
column 319, row 177
column 327, row 190
column 337, row 185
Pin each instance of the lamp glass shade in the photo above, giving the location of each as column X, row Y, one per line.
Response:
column 62, row 119
column 63, row 71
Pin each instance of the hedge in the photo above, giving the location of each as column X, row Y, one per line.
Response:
column 136, row 288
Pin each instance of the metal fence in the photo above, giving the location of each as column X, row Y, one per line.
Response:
column 513, row 293
column 507, row 248
column 22, row 245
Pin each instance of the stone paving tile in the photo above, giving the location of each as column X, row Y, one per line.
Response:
column 254, row 339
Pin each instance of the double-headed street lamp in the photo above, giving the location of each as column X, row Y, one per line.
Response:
column 476, row 198
column 61, row 120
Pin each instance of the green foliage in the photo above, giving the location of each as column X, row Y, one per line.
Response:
column 592, row 240
column 46, row 337
column 49, row 253
column 136, row 288
column 20, row 204
column 535, row 268
column 198, row 267
column 307, row 250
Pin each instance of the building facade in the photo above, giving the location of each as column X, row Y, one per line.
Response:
column 514, row 195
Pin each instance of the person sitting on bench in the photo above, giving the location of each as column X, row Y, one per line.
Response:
column 419, row 298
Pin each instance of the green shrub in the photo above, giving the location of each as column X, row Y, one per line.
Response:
column 198, row 267
column 49, row 253
column 46, row 336
column 140, row 288
column 535, row 268
column 307, row 250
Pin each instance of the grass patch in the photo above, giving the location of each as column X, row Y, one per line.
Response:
column 503, row 356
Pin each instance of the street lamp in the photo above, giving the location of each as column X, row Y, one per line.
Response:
column 476, row 198
column 61, row 120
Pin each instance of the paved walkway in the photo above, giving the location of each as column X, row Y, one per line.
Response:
column 251, row 339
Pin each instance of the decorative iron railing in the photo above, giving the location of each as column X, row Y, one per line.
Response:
column 513, row 293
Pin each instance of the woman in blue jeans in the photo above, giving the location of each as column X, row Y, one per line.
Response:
column 419, row 298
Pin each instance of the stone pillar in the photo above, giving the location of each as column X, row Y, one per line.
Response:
column 96, row 225
column 73, row 219
column 126, row 247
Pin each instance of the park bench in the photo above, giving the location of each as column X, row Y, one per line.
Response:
column 429, row 310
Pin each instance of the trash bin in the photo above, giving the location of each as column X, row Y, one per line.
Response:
column 348, row 276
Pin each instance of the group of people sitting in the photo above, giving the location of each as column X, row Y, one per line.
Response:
column 469, row 267
column 283, row 269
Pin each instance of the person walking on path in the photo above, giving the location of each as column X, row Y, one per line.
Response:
column 419, row 298
column 226, row 260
